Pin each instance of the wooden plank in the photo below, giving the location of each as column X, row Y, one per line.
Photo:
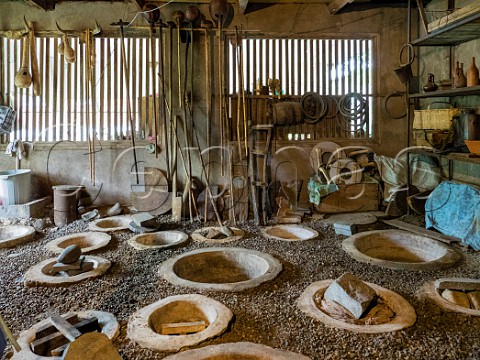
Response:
column 462, row 284
column 455, row 16
column 44, row 345
column 423, row 15
column 351, row 198
column 183, row 328
column 49, row 329
column 421, row 231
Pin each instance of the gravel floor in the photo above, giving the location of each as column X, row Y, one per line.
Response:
column 266, row 315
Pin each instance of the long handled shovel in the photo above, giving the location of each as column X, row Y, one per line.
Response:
column 89, row 346
column 9, row 335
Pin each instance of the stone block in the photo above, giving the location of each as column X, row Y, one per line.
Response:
column 25, row 211
column 345, row 228
column 70, row 254
column 352, row 293
column 144, row 219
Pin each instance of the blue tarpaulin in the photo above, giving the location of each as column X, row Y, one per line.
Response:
column 454, row 210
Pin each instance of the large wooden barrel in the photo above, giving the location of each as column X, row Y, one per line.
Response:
column 287, row 113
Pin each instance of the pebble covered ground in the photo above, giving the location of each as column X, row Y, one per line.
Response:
column 266, row 314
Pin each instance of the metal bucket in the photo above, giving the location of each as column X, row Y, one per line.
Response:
column 287, row 113
column 404, row 72
column 65, row 201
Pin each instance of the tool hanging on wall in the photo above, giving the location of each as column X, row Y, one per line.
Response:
column 172, row 120
column 208, row 193
column 161, row 25
column 152, row 15
column 89, row 88
column 121, row 24
column 179, row 16
column 23, row 79
column 207, row 25
column 191, row 16
column 65, row 48
column 37, row 83
column 219, row 11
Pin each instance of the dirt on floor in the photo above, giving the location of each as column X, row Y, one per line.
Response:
column 267, row 314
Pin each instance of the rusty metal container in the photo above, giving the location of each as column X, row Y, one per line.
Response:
column 65, row 201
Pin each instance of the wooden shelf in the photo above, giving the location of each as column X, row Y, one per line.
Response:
column 472, row 90
column 464, row 157
column 459, row 32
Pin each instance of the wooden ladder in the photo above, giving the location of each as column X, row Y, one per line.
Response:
column 257, row 171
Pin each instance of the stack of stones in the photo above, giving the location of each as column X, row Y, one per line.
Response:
column 71, row 262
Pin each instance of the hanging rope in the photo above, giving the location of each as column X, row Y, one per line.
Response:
column 314, row 107
column 354, row 109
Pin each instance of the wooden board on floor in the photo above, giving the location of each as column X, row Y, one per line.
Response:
column 421, row 231
column 351, row 198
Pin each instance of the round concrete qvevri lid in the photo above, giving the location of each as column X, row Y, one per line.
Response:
column 237, row 351
column 220, row 269
column 405, row 315
column 158, row 240
column 199, row 235
column 113, row 223
column 88, row 241
column 145, row 326
column 13, row 235
column 400, row 250
column 107, row 321
column 38, row 275
column 289, row 232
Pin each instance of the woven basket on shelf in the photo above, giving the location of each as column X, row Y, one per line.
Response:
column 434, row 118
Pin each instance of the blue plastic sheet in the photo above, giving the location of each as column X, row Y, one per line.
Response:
column 454, row 210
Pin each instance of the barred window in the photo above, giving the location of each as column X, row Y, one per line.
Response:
column 340, row 71
column 71, row 108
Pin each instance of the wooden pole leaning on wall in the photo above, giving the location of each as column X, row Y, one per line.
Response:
column 162, row 96
column 121, row 24
column 207, row 26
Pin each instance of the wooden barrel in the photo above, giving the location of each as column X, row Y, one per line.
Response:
column 287, row 113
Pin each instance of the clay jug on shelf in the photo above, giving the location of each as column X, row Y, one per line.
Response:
column 459, row 79
column 472, row 74
column 430, row 85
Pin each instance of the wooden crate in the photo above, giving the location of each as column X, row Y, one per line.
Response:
column 350, row 198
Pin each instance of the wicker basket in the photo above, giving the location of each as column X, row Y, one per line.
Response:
column 434, row 118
